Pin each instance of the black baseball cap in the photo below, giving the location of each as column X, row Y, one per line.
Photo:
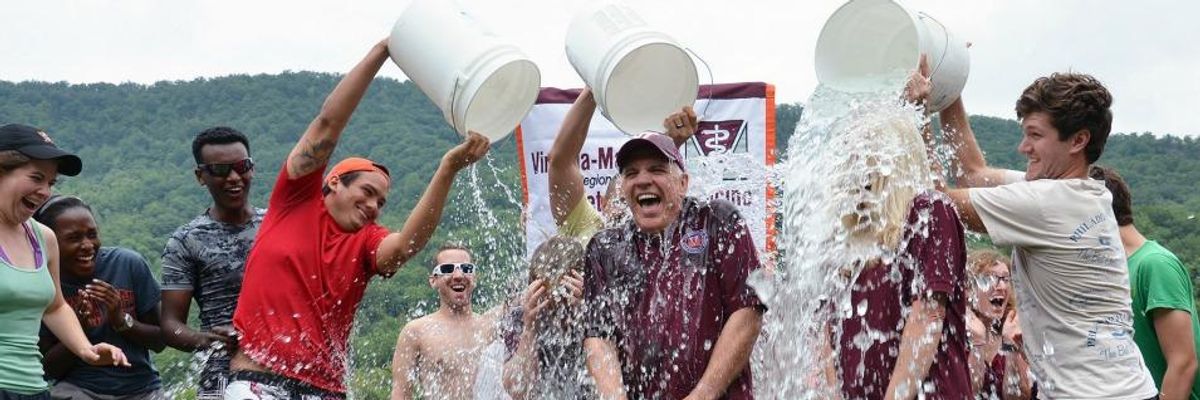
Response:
column 36, row 144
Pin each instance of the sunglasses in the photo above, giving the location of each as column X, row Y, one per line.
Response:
column 222, row 170
column 448, row 268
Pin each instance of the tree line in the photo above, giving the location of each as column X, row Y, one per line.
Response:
column 135, row 141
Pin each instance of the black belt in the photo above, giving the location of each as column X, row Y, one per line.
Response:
column 291, row 385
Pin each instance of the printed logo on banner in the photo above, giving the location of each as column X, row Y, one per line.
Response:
column 718, row 137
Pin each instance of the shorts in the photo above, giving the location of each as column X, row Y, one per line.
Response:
column 7, row 395
column 64, row 390
column 253, row 385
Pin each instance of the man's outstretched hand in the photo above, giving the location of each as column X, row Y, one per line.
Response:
column 919, row 86
column 466, row 153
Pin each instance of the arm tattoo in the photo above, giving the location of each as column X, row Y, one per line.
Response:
column 312, row 154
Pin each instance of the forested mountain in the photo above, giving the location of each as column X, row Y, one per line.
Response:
column 135, row 143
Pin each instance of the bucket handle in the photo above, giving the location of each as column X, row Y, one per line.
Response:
column 711, row 79
column 945, row 42
column 454, row 101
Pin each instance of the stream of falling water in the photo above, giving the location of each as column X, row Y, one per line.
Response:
column 844, row 143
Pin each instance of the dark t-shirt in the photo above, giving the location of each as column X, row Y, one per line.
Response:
column 993, row 379
column 129, row 273
column 664, row 306
column 208, row 257
column 562, row 372
column 933, row 261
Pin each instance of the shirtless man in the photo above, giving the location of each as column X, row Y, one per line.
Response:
column 440, row 352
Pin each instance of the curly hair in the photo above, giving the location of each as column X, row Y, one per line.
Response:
column 217, row 135
column 1075, row 102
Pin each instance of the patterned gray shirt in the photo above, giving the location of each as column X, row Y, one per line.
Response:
column 208, row 258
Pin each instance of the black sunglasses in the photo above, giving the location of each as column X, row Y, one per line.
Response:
column 448, row 268
column 222, row 170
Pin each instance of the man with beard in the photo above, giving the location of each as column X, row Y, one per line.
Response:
column 440, row 352
column 205, row 258
column 670, row 314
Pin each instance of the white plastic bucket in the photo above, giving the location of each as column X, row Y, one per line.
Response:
column 865, row 41
column 638, row 75
column 480, row 82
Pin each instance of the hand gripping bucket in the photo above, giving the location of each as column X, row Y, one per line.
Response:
column 639, row 75
column 480, row 82
column 866, row 40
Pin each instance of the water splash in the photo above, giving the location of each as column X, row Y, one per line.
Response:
column 837, row 181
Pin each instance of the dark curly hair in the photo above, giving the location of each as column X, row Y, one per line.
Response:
column 1075, row 102
column 217, row 135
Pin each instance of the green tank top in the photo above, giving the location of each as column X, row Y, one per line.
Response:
column 24, row 295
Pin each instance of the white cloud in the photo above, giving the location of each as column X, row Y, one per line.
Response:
column 1144, row 51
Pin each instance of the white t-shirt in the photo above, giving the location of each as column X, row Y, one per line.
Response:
column 1072, row 286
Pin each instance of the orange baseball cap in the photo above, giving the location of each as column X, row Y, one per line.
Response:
column 356, row 164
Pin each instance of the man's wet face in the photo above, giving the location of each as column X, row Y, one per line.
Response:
column 654, row 188
column 454, row 288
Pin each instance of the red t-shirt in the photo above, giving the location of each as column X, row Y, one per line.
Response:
column 931, row 263
column 664, row 306
column 304, row 279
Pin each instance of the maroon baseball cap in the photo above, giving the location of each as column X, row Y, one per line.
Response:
column 653, row 140
column 36, row 144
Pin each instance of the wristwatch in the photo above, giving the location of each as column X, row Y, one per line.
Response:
column 126, row 323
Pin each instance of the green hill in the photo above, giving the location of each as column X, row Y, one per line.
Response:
column 135, row 142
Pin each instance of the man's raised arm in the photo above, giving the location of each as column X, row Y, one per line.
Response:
column 314, row 148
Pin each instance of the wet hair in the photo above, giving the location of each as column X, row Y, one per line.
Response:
column 1122, row 200
column 12, row 159
column 448, row 246
column 217, row 135
column 48, row 213
column 1075, row 102
column 979, row 260
column 346, row 179
column 887, row 152
column 555, row 257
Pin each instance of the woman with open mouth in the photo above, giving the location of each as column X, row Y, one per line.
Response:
column 116, row 299
column 998, row 367
column 904, row 250
column 30, row 163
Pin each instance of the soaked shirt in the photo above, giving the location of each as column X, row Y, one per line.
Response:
column 1072, row 286
column 932, row 261
column 208, row 257
column 304, row 280
column 562, row 368
column 662, row 300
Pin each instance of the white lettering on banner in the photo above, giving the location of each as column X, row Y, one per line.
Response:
column 740, row 198
column 728, row 157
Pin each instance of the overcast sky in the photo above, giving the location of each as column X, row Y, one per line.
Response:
column 1147, row 52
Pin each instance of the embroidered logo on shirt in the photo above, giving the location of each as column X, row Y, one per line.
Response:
column 695, row 241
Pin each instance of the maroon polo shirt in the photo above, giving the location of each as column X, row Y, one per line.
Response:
column 663, row 299
column 933, row 261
